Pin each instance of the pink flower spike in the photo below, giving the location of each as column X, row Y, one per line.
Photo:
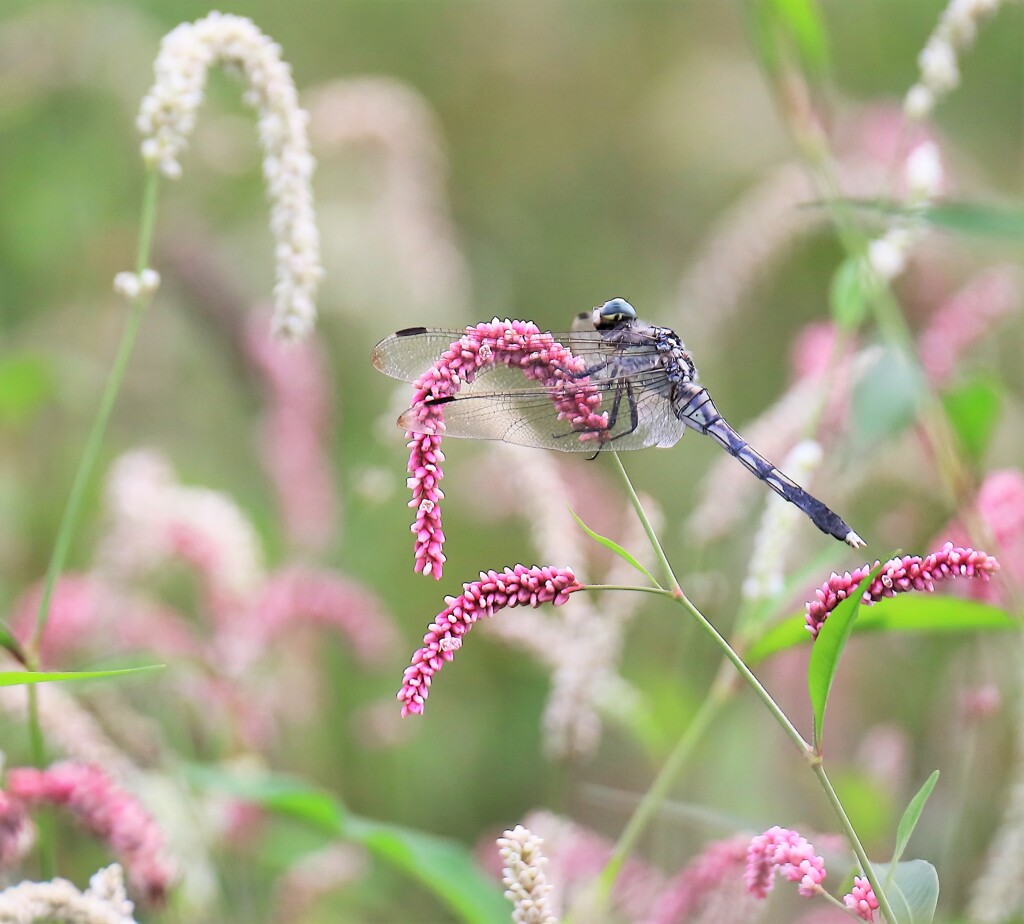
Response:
column 911, row 572
column 861, row 899
column 516, row 344
column 519, row 586
column 789, row 853
column 106, row 811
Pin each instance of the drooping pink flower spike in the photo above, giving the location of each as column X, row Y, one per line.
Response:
column 518, row 586
column 787, row 852
column 516, row 344
column 106, row 811
column 911, row 572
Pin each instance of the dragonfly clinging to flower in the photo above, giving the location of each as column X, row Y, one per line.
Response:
column 619, row 384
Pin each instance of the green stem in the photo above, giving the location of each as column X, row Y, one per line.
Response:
column 851, row 836
column 646, row 523
column 72, row 509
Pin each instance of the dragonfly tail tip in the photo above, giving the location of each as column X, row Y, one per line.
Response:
column 854, row 540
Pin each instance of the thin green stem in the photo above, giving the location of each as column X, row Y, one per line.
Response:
column 72, row 509
column 646, row 523
column 661, row 787
column 851, row 836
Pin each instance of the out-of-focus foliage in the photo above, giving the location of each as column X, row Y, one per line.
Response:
column 479, row 159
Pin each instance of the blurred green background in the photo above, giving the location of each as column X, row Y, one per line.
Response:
column 589, row 148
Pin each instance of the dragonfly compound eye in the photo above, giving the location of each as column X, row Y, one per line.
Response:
column 613, row 313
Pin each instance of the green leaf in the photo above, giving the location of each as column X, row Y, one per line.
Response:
column 16, row 678
column 912, row 889
column 848, row 295
column 973, row 410
column 26, row 384
column 614, row 547
column 828, row 648
column 977, row 219
column 909, row 612
column 443, row 866
column 11, row 644
column 889, row 394
column 910, row 817
column 782, row 28
column 801, row 22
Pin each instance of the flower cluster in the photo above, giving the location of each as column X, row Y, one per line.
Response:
column 104, row 902
column 861, row 899
column 524, row 877
column 940, row 72
column 519, row 586
column 167, row 116
column 517, row 344
column 911, row 572
column 786, row 852
column 106, row 811
column 709, row 888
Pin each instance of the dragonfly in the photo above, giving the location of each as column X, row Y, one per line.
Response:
column 637, row 380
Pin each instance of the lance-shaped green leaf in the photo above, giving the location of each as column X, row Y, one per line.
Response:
column 828, row 649
column 443, row 866
column 16, row 678
column 614, row 547
column 903, row 613
column 910, row 817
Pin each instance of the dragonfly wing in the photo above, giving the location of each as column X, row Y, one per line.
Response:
column 637, row 413
column 407, row 354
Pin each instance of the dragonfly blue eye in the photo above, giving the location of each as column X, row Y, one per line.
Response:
column 614, row 312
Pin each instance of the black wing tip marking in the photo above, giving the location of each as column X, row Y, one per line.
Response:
column 410, row 331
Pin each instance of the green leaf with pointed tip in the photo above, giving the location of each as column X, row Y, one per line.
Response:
column 16, row 678
column 443, row 866
column 828, row 649
column 614, row 547
column 801, row 22
column 977, row 219
column 912, row 889
column 909, row 612
column 973, row 410
column 910, row 817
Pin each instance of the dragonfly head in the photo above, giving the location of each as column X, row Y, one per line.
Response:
column 613, row 313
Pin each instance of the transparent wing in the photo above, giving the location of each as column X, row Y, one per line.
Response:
column 407, row 354
column 637, row 412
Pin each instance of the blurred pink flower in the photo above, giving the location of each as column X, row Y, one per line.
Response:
column 517, row 344
column 296, row 418
column 16, row 832
column 577, row 855
column 911, row 572
column 519, row 586
column 980, row 702
column 327, row 599
column 710, row 888
column 861, row 899
column 156, row 519
column 106, row 811
column 75, row 609
column 784, row 851
column 966, row 317
column 85, row 612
